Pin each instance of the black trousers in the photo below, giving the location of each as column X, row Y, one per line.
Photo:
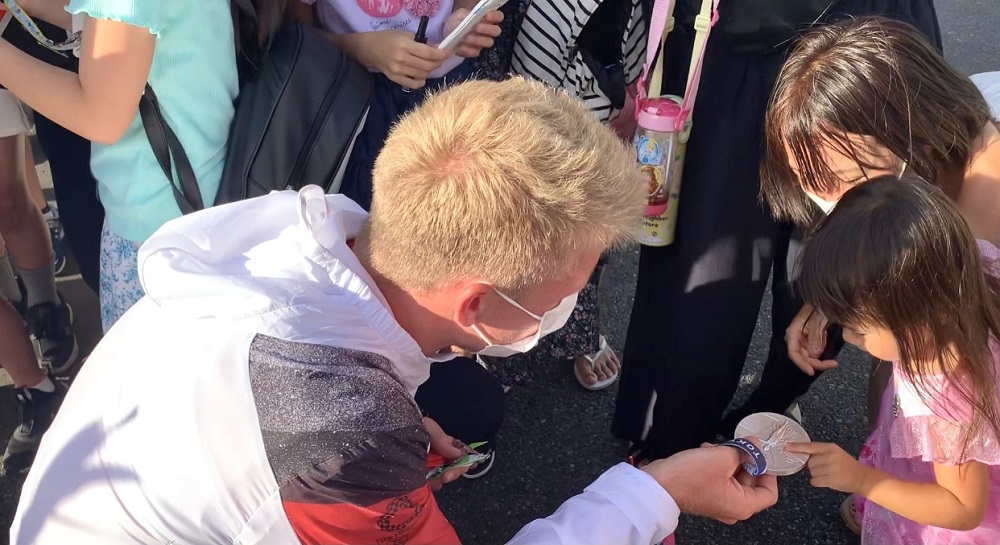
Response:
column 464, row 399
column 80, row 209
column 697, row 301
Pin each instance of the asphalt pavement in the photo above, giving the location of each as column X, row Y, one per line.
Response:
column 555, row 440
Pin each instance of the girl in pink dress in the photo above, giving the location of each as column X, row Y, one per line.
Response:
column 896, row 264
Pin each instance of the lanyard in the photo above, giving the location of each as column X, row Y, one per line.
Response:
column 29, row 25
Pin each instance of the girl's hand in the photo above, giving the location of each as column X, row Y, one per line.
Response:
column 831, row 467
column 806, row 339
column 395, row 54
column 482, row 34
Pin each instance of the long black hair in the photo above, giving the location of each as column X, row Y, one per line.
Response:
column 898, row 254
column 873, row 78
column 255, row 23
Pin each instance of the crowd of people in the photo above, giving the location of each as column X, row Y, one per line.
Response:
column 290, row 368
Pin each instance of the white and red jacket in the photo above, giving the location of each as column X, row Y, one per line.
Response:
column 262, row 393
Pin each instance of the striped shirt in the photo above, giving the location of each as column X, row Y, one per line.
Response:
column 546, row 50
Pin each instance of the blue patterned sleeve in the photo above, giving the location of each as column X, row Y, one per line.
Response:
column 148, row 14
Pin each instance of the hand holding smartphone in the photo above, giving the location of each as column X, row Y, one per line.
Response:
column 475, row 15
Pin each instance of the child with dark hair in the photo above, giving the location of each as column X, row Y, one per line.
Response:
column 896, row 264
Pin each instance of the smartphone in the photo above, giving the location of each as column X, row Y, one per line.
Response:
column 475, row 15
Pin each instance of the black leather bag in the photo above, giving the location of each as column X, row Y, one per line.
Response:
column 296, row 122
column 765, row 26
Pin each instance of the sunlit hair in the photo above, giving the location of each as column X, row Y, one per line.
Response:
column 898, row 254
column 509, row 182
column 872, row 77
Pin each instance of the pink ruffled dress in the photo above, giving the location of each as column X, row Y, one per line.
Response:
column 911, row 435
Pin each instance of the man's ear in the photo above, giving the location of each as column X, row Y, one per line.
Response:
column 471, row 301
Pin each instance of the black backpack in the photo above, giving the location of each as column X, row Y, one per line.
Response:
column 297, row 116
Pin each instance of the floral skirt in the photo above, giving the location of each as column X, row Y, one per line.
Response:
column 120, row 287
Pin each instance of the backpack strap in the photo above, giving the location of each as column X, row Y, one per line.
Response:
column 165, row 144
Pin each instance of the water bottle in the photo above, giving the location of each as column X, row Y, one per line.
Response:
column 659, row 143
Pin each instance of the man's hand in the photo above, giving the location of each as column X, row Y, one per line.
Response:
column 402, row 60
column 806, row 339
column 482, row 35
column 448, row 448
column 831, row 467
column 710, row 482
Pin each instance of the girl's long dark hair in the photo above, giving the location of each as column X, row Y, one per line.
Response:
column 898, row 254
column 871, row 77
column 253, row 32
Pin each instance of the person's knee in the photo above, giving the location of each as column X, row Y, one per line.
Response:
column 13, row 189
column 15, row 203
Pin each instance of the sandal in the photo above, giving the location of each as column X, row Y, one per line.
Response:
column 850, row 515
column 592, row 358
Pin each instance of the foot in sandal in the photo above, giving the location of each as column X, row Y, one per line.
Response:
column 599, row 370
column 849, row 513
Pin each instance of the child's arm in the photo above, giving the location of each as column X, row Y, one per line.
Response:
column 101, row 102
column 956, row 501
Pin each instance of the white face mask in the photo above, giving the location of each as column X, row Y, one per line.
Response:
column 827, row 206
column 550, row 322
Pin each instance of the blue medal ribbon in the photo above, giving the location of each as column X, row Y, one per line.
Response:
column 757, row 464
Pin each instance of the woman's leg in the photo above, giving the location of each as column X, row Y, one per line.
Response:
column 26, row 234
column 593, row 364
column 49, row 214
column 36, row 392
column 782, row 382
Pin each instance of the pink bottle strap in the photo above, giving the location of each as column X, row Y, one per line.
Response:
column 662, row 13
column 702, row 24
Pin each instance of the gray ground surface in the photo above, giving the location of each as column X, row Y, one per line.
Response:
column 555, row 440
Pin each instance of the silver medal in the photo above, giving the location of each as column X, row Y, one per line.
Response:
column 775, row 431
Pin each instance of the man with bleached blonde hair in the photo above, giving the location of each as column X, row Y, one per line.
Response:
column 262, row 391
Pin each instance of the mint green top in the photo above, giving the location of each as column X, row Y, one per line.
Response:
column 194, row 76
